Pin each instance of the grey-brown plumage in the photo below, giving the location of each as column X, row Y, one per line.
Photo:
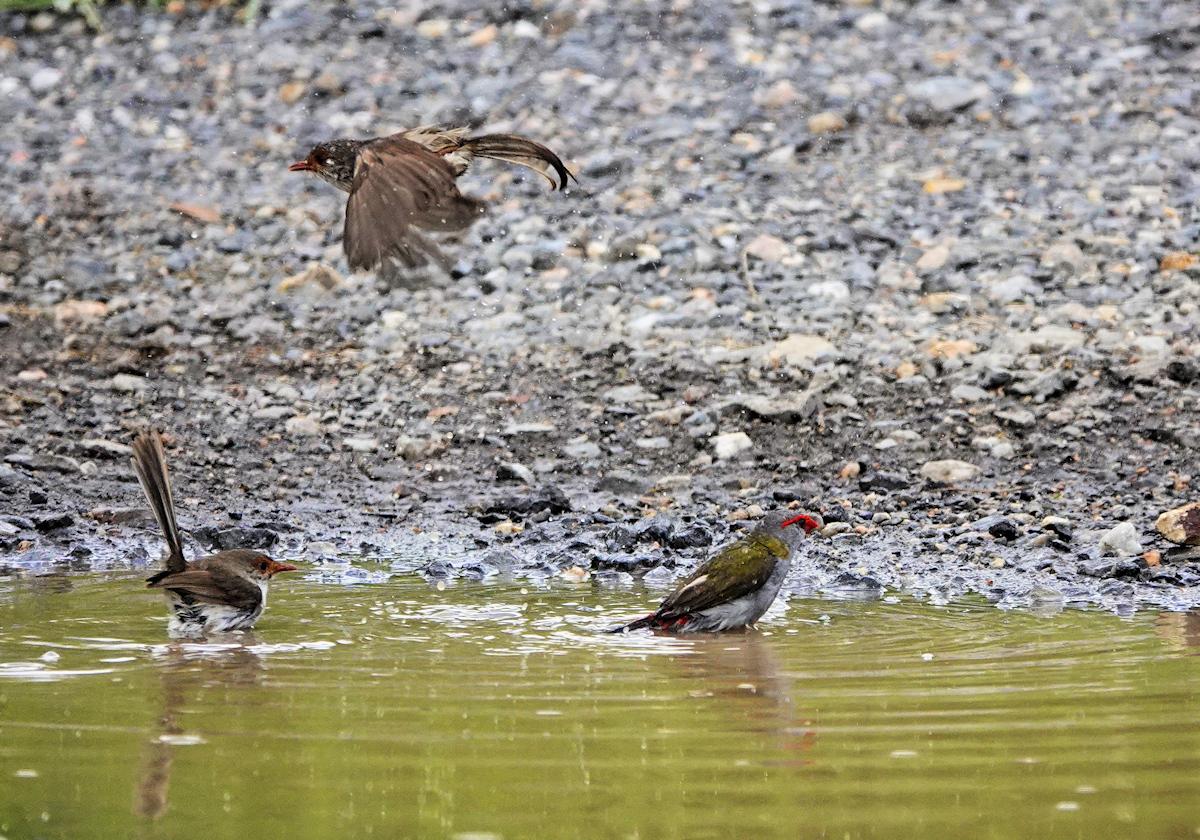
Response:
column 404, row 186
column 218, row 593
column 150, row 464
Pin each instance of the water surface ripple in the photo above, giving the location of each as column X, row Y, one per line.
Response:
column 499, row 711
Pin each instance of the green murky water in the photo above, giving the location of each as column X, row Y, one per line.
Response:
column 496, row 711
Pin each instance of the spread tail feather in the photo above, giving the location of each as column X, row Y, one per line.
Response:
column 518, row 150
column 150, row 464
column 638, row 624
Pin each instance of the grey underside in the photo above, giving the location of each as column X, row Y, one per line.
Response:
column 739, row 612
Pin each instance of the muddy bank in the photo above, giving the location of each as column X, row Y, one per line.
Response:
column 943, row 293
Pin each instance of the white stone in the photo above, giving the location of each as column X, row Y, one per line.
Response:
column 528, row 429
column 1050, row 337
column 968, row 393
column 826, row 122
column 934, row 258
column 767, row 248
column 1005, row 450
column 830, row 290
column 361, row 444
column 800, row 349
column 45, row 79
column 629, row 394
column 871, row 22
column 302, row 425
column 730, row 444
column 129, row 383
column 949, row 471
column 1121, row 540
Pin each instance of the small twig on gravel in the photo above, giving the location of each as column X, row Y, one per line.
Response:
column 750, row 287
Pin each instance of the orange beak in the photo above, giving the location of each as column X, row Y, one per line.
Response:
column 301, row 166
column 276, row 568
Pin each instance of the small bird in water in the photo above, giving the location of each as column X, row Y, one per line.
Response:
column 737, row 585
column 404, row 185
column 214, row 594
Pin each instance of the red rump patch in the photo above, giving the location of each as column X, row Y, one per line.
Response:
column 806, row 522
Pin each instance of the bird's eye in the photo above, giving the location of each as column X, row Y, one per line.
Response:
column 262, row 565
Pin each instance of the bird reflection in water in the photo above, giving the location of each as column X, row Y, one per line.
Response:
column 185, row 670
column 740, row 670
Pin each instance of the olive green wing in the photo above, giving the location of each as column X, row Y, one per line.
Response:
column 733, row 572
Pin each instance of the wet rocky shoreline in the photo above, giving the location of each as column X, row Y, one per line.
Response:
column 944, row 292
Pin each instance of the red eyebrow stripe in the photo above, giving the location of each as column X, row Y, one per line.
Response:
column 808, row 522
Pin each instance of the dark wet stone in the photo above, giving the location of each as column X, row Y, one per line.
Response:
column 993, row 379
column 654, row 528
column 101, row 448
column 850, row 585
column 256, row 539
column 1047, row 385
column 887, row 481
column 1004, row 529
column 621, row 538
column 477, row 570
column 43, row 463
column 622, row 483
column 1038, row 564
column 836, row 513
column 793, row 494
column 1061, row 531
column 694, row 535
column 512, row 471
column 52, row 521
column 501, row 560
column 637, row 564
column 436, row 569
column 1116, row 588
column 1182, row 372
column 235, row 243
column 1121, row 568
column 546, row 498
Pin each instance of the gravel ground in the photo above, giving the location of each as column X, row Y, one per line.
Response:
column 926, row 267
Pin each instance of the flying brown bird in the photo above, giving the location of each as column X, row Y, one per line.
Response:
column 404, row 185
column 214, row 594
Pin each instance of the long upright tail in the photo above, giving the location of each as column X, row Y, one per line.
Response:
column 518, row 150
column 150, row 464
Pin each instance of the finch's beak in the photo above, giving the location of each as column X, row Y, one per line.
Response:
column 276, row 568
column 806, row 522
column 301, row 166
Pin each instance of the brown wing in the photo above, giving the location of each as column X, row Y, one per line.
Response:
column 211, row 586
column 733, row 572
column 399, row 189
